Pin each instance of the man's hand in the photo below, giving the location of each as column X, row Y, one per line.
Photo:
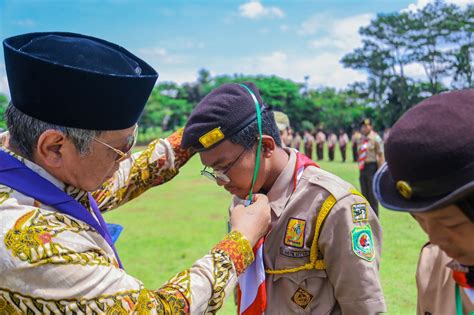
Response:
column 252, row 221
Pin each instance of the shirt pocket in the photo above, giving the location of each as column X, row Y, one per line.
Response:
column 314, row 282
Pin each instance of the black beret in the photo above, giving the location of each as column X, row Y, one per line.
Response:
column 225, row 111
column 78, row 81
column 430, row 155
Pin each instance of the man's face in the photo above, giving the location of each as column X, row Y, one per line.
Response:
column 89, row 172
column 365, row 129
column 451, row 230
column 285, row 136
column 241, row 162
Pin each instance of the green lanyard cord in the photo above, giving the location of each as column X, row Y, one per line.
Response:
column 459, row 311
column 259, row 148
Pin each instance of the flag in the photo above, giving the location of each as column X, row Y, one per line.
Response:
column 251, row 288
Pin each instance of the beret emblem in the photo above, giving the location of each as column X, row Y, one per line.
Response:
column 404, row 189
column 212, row 137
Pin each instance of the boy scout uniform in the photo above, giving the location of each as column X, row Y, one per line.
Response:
column 322, row 254
column 435, row 284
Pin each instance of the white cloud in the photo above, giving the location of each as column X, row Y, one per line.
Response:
column 4, row 86
column 415, row 70
column 254, row 10
column 422, row 3
column 313, row 25
column 160, row 55
column 323, row 69
column 179, row 76
column 3, row 81
column 24, row 22
column 284, row 28
column 334, row 34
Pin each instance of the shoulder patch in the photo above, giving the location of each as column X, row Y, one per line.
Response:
column 295, row 232
column 359, row 212
column 362, row 242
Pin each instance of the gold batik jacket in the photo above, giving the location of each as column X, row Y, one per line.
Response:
column 51, row 263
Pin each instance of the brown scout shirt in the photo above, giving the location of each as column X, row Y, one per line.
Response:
column 349, row 284
column 374, row 146
column 435, row 284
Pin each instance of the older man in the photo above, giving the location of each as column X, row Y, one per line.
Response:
column 75, row 102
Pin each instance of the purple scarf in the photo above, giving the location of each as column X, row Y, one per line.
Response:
column 19, row 177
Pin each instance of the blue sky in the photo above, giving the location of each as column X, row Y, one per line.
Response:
column 290, row 38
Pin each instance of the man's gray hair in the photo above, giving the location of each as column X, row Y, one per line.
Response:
column 25, row 131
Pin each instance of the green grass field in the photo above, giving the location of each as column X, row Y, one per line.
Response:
column 171, row 226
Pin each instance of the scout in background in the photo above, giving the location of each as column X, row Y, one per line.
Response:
column 322, row 253
column 370, row 158
column 332, row 141
column 320, row 139
column 430, row 174
column 72, row 123
column 343, row 140
column 283, row 124
column 308, row 141
column 297, row 141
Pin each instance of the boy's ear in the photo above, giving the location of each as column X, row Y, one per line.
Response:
column 268, row 146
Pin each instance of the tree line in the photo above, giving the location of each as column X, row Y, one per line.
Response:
column 437, row 39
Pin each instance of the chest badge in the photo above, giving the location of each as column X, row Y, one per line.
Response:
column 362, row 242
column 295, row 232
column 302, row 298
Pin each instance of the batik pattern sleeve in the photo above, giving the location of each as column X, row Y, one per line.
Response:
column 350, row 241
column 157, row 164
column 53, row 264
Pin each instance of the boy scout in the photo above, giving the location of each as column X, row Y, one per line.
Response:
column 430, row 174
column 322, row 253
column 370, row 158
column 283, row 124
column 75, row 102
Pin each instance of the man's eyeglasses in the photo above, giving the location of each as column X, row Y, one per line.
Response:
column 121, row 155
column 220, row 175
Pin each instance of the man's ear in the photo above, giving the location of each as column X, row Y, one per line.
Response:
column 268, row 146
column 49, row 148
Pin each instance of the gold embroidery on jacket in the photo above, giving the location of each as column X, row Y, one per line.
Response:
column 32, row 239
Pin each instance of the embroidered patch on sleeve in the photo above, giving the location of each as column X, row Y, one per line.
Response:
column 362, row 242
column 295, row 232
column 302, row 298
column 359, row 212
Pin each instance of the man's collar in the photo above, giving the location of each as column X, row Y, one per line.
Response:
column 283, row 187
column 74, row 192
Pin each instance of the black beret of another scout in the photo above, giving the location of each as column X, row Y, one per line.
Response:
column 78, row 81
column 430, row 155
column 225, row 111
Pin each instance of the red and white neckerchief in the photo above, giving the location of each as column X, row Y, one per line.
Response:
column 363, row 154
column 252, row 293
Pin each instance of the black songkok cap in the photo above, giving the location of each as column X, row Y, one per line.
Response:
column 225, row 111
column 77, row 81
